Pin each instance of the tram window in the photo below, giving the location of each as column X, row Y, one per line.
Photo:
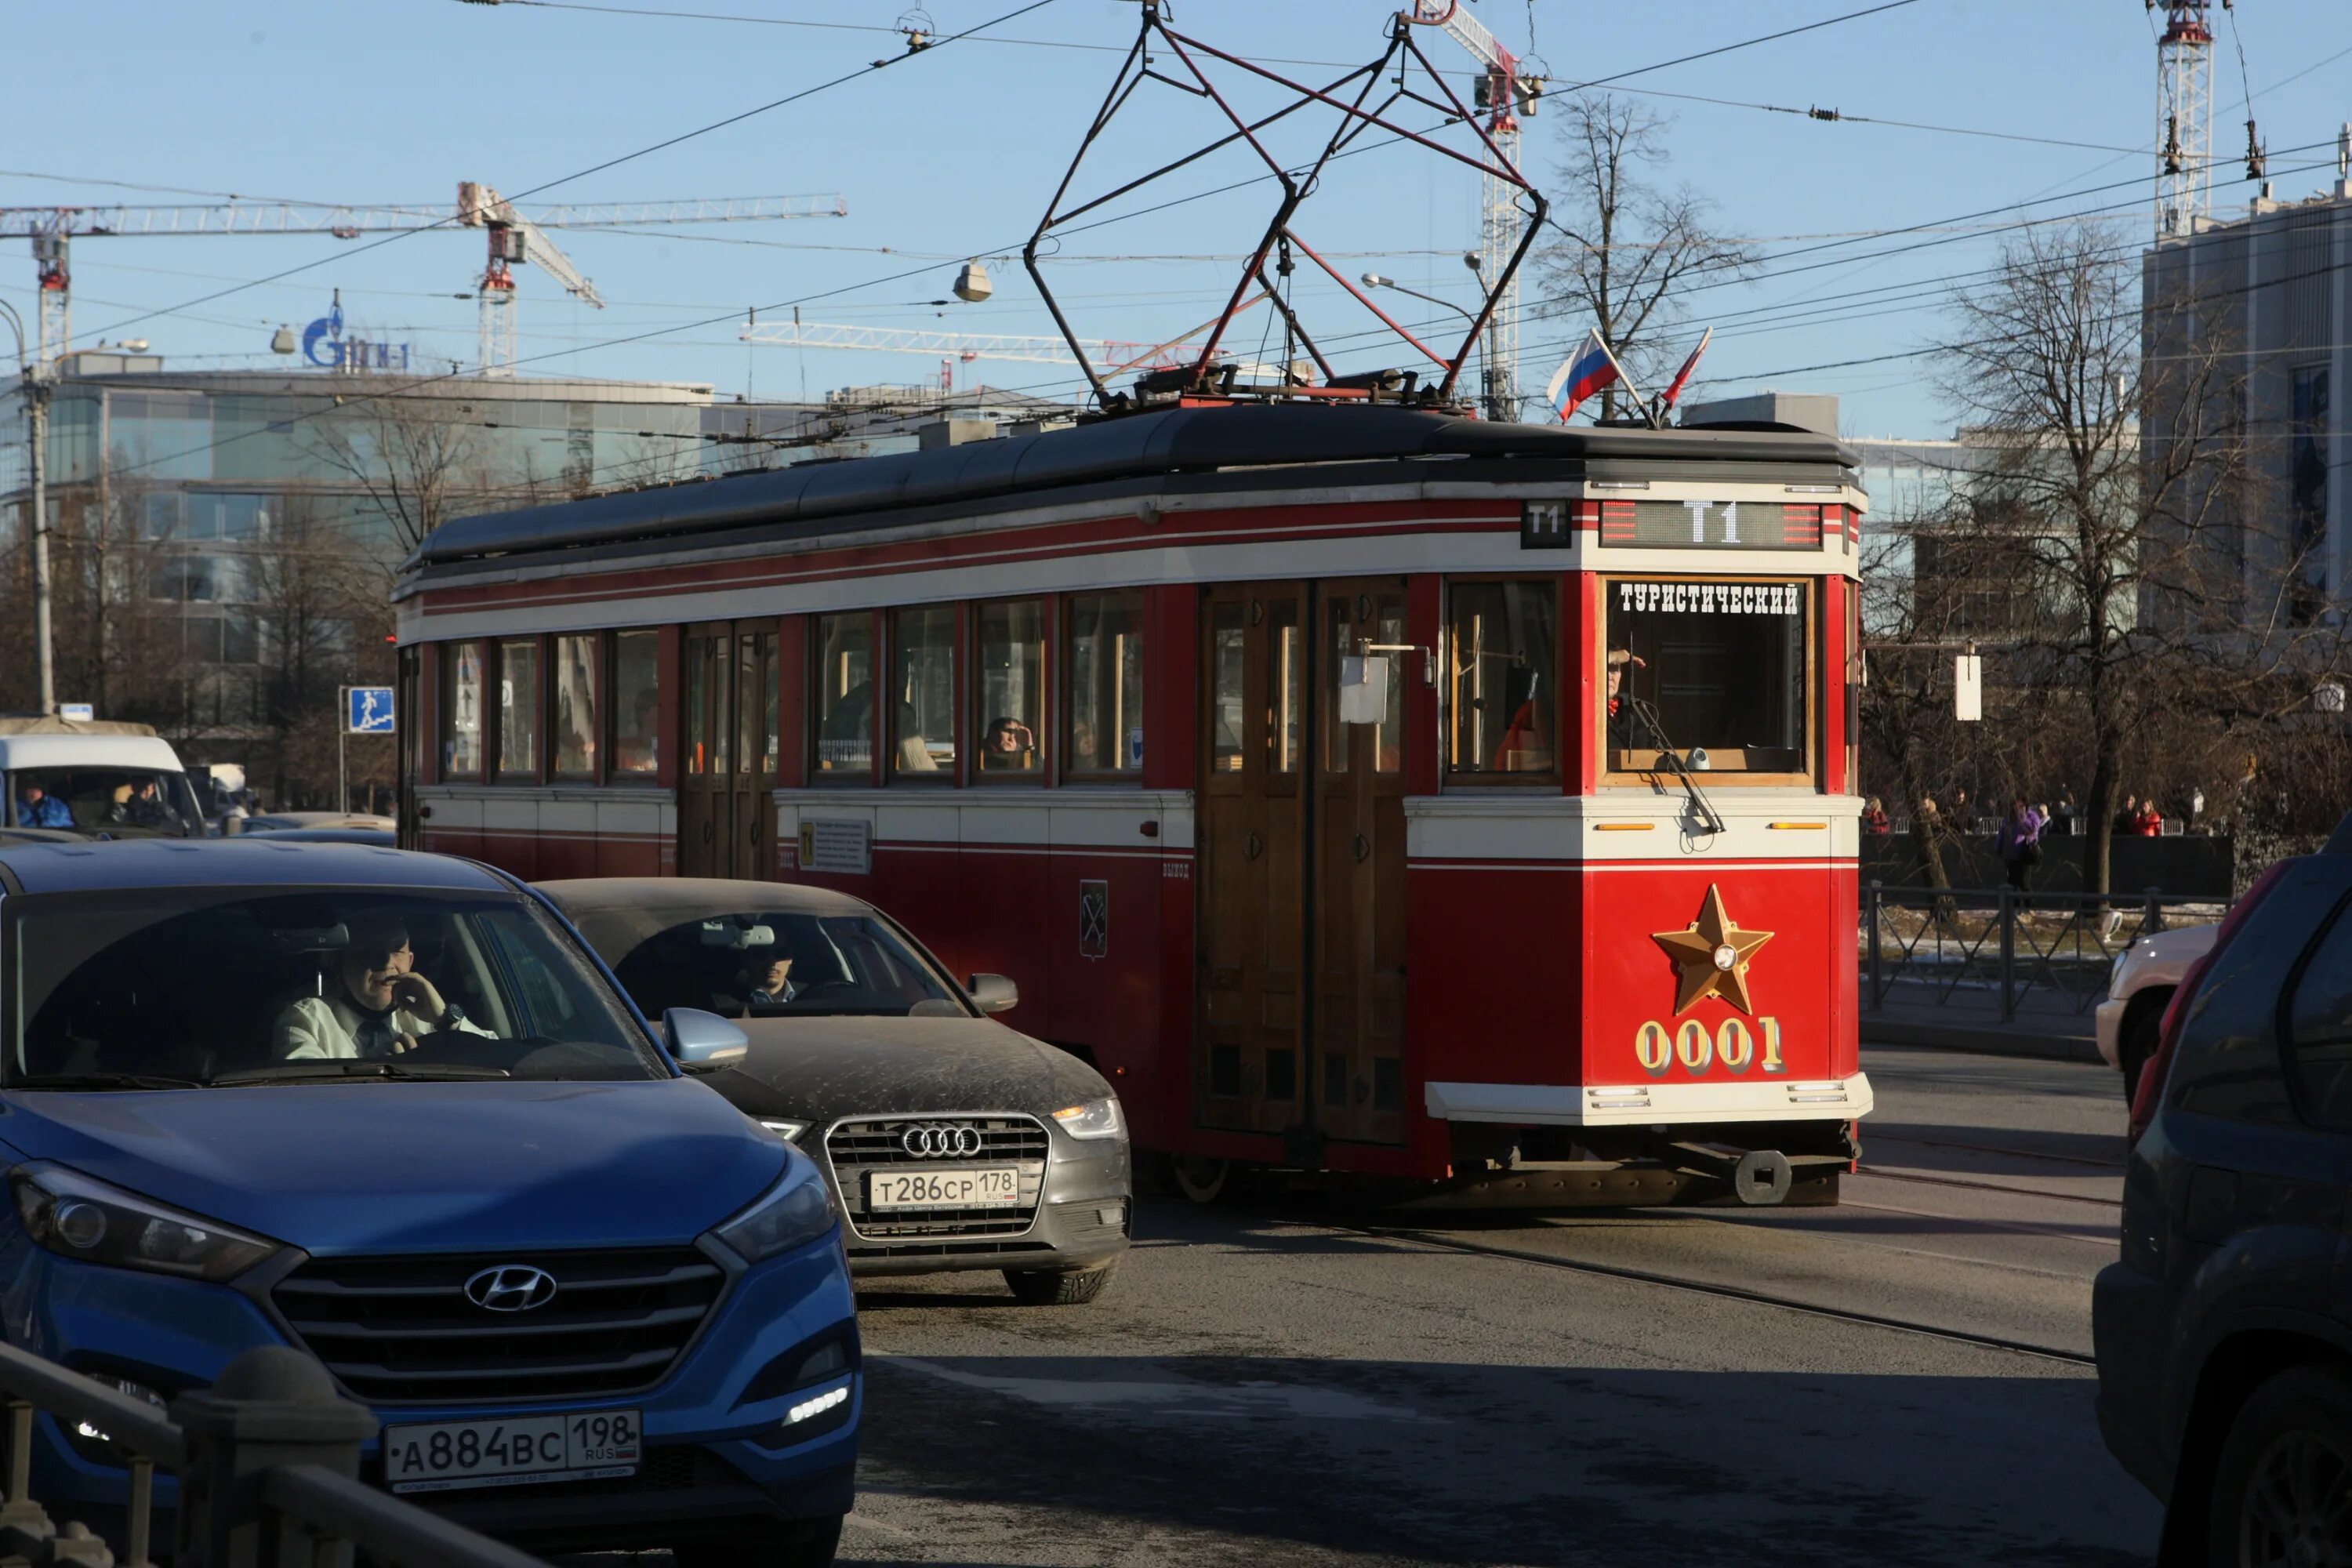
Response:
column 1106, row 685
column 922, row 722
column 1286, row 673
column 1725, row 666
column 575, row 707
column 1009, row 693
column 519, row 708
column 636, row 702
column 1229, row 679
column 1502, row 662
column 1357, row 620
column 844, row 696
column 755, row 703
column 461, row 711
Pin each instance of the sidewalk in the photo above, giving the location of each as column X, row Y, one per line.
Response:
column 2045, row 1026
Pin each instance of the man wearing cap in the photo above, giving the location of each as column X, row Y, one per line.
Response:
column 374, row 1005
column 1621, row 729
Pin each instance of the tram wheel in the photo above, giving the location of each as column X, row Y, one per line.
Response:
column 1200, row 1178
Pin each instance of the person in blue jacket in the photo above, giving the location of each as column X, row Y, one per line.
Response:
column 36, row 807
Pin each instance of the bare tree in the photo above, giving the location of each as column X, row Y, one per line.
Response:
column 1630, row 246
column 413, row 456
column 2111, row 475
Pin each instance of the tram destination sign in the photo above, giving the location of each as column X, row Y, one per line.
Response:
column 1677, row 525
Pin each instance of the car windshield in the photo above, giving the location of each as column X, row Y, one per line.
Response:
column 123, row 802
column 764, row 963
column 211, row 987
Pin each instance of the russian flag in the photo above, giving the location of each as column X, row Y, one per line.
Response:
column 1592, row 368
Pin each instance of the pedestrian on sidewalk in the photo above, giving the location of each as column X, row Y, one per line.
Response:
column 1874, row 817
column 2126, row 816
column 2150, row 822
column 2019, row 841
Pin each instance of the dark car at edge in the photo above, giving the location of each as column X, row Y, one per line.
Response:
column 2224, row 1330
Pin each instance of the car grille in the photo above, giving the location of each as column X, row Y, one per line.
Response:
column 400, row 1331
column 872, row 1143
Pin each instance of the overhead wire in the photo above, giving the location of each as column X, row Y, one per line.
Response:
column 664, row 144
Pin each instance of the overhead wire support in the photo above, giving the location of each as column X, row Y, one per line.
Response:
column 1350, row 96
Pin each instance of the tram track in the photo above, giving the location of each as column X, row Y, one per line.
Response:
column 1712, row 1288
column 2003, row 1188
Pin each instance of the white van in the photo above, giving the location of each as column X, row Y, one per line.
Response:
column 100, row 777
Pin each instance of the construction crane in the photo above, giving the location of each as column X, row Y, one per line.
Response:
column 1506, row 96
column 52, row 230
column 514, row 239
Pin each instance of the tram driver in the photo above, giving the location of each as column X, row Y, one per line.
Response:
column 1621, row 724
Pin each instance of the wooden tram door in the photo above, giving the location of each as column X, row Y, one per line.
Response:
column 726, row 819
column 1301, row 846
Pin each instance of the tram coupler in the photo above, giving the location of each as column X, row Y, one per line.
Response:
column 1758, row 1178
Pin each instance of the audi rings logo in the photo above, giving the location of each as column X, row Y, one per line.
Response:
column 510, row 1287
column 939, row 1140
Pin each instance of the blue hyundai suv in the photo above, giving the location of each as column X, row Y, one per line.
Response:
column 388, row 1108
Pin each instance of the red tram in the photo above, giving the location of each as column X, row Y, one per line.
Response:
column 1363, row 789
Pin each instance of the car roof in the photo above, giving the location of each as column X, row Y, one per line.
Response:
column 696, row 895
column 132, row 863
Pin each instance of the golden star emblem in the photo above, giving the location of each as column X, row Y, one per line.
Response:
column 1710, row 956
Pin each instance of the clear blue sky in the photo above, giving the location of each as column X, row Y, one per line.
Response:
column 956, row 152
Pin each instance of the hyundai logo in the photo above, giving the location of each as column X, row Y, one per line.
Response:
column 510, row 1287
column 939, row 1140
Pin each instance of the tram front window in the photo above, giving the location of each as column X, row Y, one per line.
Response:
column 1723, row 663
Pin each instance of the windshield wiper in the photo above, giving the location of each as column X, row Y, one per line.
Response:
column 338, row 1070
column 1701, row 807
column 104, row 1080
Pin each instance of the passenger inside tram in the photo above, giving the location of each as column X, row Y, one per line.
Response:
column 1010, row 747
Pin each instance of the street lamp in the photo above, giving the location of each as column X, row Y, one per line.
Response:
column 1374, row 280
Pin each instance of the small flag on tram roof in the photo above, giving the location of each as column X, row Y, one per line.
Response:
column 1682, row 375
column 1589, row 369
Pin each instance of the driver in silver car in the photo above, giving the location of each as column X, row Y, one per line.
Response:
column 378, row 1006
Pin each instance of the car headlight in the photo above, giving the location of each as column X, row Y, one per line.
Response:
column 76, row 1216
column 2128, row 963
column 789, row 1131
column 797, row 1211
column 1095, row 1119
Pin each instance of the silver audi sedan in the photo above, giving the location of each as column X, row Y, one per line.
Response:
column 951, row 1142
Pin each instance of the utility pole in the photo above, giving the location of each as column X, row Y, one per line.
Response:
column 37, row 379
column 37, row 403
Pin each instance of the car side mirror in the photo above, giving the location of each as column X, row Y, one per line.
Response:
column 994, row 993
column 702, row 1042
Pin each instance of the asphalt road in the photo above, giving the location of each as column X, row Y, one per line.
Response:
column 1268, row 1386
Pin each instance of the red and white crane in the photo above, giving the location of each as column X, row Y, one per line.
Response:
column 513, row 236
column 1507, row 95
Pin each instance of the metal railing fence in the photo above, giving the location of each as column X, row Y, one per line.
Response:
column 2004, row 950
column 268, row 1461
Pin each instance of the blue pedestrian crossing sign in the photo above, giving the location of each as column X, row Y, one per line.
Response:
column 367, row 709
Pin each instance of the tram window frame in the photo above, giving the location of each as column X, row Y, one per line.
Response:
column 938, row 776
column 610, row 770
column 1809, row 747
column 1065, row 680
column 1454, row 778
column 813, row 714
column 450, row 658
column 530, row 770
column 1039, row 721
column 594, row 734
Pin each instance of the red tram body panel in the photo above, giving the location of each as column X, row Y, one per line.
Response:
column 1362, row 788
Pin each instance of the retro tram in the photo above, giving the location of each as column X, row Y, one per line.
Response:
column 1365, row 789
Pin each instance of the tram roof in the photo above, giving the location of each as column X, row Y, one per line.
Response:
column 1229, row 449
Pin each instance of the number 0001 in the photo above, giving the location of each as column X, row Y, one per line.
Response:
column 1732, row 1048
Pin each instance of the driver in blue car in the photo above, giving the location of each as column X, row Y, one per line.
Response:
column 377, row 1004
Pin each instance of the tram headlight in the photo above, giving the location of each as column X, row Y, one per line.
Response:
column 1095, row 1119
